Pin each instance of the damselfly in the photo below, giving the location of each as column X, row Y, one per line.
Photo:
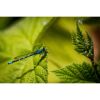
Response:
column 41, row 51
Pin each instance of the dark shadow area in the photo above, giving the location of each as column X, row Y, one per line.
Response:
column 6, row 22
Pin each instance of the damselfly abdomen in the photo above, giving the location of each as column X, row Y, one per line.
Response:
column 39, row 51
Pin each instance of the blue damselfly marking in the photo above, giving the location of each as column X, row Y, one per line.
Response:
column 42, row 51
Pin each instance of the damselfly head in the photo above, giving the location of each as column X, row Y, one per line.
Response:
column 10, row 62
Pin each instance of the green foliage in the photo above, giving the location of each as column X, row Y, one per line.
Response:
column 77, row 73
column 38, row 74
column 83, row 45
column 80, row 73
column 19, row 40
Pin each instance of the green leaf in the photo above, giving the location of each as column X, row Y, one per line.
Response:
column 19, row 40
column 37, row 74
column 79, row 41
column 89, row 43
column 77, row 73
column 83, row 45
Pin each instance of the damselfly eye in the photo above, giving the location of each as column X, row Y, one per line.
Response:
column 10, row 62
column 38, row 51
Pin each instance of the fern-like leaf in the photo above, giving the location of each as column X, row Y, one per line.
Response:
column 83, row 45
column 77, row 73
column 89, row 43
